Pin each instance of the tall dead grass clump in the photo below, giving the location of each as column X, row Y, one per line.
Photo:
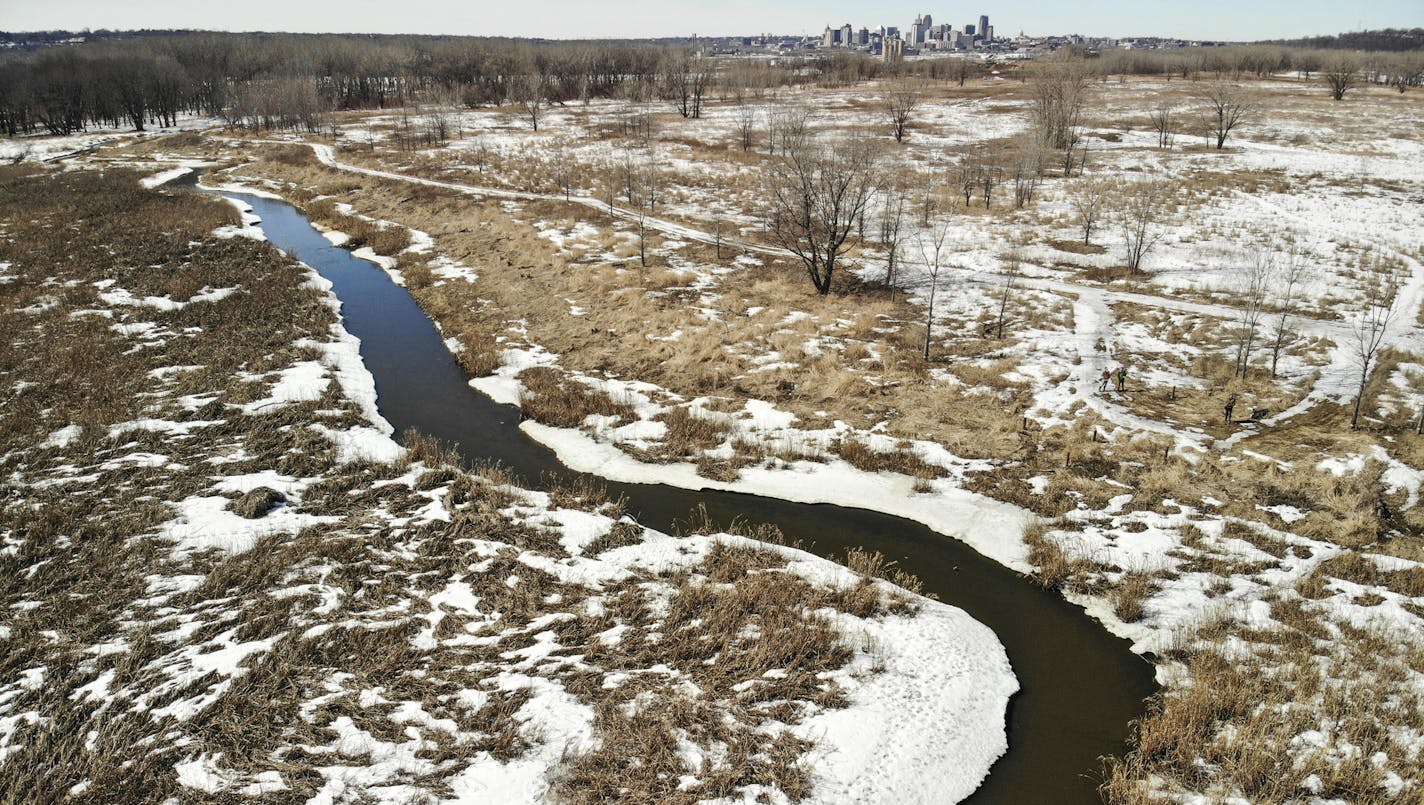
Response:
column 1055, row 567
column 859, row 454
column 428, row 450
column 549, row 396
column 1129, row 594
column 690, row 433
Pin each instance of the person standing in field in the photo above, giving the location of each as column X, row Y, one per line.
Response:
column 1106, row 378
column 1122, row 377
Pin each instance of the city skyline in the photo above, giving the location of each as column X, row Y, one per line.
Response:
column 568, row 19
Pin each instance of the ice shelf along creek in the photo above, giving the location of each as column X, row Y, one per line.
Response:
column 1080, row 686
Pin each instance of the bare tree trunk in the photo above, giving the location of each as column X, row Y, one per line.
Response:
column 1012, row 266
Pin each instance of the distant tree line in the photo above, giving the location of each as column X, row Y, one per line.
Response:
column 1399, row 69
column 58, row 85
column 53, row 82
column 288, row 80
column 1387, row 39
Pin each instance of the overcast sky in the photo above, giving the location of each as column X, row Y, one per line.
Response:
column 1204, row 19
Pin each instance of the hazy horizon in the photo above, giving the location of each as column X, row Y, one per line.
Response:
column 567, row 19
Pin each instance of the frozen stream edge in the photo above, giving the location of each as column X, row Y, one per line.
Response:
column 929, row 724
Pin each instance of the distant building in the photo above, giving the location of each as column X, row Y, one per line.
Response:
column 847, row 34
column 862, row 37
column 893, row 50
column 969, row 31
column 828, row 39
column 984, row 26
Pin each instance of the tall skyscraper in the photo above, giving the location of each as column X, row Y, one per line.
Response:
column 847, row 35
column 984, row 25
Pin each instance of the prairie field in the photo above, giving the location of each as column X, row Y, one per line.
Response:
column 1174, row 372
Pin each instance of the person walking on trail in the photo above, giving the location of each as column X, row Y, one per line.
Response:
column 1106, row 378
column 1230, row 406
column 1121, row 378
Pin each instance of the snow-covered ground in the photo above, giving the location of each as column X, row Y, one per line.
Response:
column 388, row 627
column 1170, row 522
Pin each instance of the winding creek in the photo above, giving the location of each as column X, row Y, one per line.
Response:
column 1080, row 685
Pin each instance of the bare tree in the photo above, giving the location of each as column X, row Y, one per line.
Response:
column 1404, row 70
column 892, row 218
column 1028, row 170
column 816, row 190
column 1013, row 268
column 1060, row 86
column 1162, row 119
column 787, row 128
column 931, row 193
column 530, row 91
column 1252, row 287
column 1140, row 208
column 686, row 78
column 653, row 178
column 610, row 181
column 479, row 152
column 1341, row 74
column 967, row 177
column 641, row 185
column 961, row 70
column 1227, row 105
column 641, row 210
column 1291, row 275
column 1371, row 322
column 901, row 97
column 931, row 244
column 989, row 174
column 746, row 126
column 1088, row 198
column 563, row 169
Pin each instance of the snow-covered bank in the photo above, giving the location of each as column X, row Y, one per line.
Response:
column 163, row 177
column 941, row 668
column 992, row 528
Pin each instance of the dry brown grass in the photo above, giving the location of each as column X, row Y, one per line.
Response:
column 518, row 267
column 86, row 554
column 881, row 344
column 1056, row 565
column 550, row 397
column 1129, row 594
column 1230, row 728
column 1358, row 568
column 689, row 433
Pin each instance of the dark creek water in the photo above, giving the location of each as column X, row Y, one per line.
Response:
column 1080, row 685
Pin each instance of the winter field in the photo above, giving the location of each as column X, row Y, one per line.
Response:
column 227, row 581
column 613, row 274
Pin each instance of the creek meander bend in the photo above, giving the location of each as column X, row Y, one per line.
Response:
column 1080, row 685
